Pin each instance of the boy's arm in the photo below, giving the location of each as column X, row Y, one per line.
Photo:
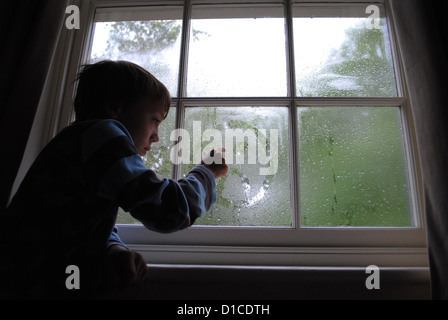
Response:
column 169, row 205
column 119, row 174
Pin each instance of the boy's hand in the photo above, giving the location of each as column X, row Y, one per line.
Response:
column 216, row 163
column 123, row 267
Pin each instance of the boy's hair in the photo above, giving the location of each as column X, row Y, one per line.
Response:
column 111, row 84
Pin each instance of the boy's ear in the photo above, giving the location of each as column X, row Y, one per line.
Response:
column 113, row 111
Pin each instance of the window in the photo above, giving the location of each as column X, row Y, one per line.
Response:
column 337, row 54
column 309, row 100
column 256, row 191
column 352, row 167
column 240, row 53
column 149, row 37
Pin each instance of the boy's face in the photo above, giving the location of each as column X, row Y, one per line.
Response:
column 142, row 122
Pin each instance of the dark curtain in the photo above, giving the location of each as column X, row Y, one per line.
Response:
column 423, row 44
column 30, row 30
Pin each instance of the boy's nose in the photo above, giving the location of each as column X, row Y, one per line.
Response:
column 155, row 137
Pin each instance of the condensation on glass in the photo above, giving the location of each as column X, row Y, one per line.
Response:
column 352, row 167
column 149, row 37
column 339, row 54
column 258, row 137
column 237, row 52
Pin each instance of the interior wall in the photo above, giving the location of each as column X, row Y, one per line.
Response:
column 246, row 283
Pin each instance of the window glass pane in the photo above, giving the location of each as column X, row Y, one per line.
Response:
column 157, row 159
column 342, row 57
column 352, row 167
column 256, row 191
column 152, row 44
column 237, row 53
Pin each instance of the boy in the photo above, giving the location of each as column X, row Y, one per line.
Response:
column 65, row 209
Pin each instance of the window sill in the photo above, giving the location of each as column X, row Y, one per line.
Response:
column 284, row 257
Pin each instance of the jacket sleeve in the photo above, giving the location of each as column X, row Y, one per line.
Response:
column 119, row 175
column 168, row 205
column 114, row 239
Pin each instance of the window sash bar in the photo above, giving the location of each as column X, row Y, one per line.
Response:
column 292, row 120
column 183, row 67
column 297, row 101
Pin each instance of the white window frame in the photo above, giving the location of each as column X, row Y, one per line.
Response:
column 269, row 246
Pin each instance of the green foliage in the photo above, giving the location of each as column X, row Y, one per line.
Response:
column 361, row 67
column 352, row 167
column 143, row 36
